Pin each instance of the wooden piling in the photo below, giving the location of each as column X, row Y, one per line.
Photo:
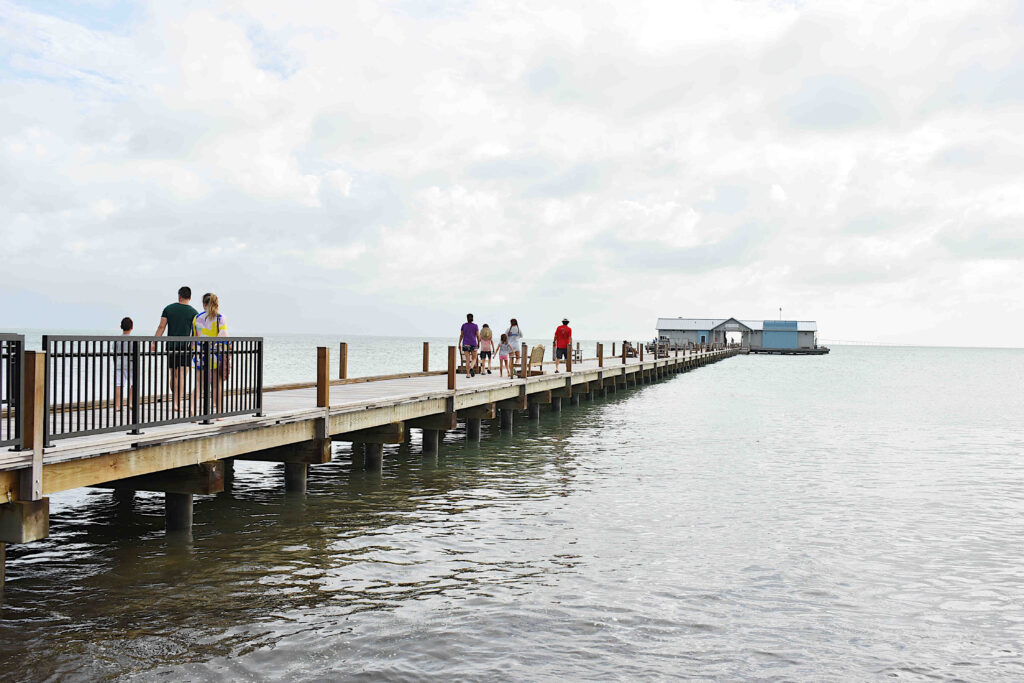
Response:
column 600, row 355
column 323, row 384
column 343, row 360
column 426, row 356
column 452, row 363
column 525, row 362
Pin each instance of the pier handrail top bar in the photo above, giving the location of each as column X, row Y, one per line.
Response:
column 139, row 337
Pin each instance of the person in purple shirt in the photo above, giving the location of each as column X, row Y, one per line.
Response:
column 469, row 344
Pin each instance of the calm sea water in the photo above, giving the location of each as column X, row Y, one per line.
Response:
column 856, row 516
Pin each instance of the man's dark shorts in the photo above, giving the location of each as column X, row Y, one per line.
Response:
column 178, row 359
column 561, row 353
column 468, row 349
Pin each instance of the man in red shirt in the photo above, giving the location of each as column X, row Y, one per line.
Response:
column 563, row 342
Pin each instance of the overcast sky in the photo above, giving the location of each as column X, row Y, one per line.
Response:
column 385, row 167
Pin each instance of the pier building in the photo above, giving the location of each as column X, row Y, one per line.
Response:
column 757, row 336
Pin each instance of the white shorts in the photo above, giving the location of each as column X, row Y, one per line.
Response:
column 122, row 377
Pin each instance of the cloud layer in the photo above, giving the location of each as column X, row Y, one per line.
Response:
column 384, row 167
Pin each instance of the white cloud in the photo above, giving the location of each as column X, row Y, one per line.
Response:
column 853, row 162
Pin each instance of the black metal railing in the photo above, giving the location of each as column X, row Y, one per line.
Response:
column 12, row 388
column 126, row 383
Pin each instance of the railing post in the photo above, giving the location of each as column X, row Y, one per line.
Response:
column 259, row 378
column 568, row 359
column 642, row 353
column 33, row 401
column 323, row 383
column 323, row 377
column 524, row 363
column 600, row 355
column 426, row 356
column 136, row 394
column 623, row 352
column 451, row 367
column 342, row 360
column 613, row 350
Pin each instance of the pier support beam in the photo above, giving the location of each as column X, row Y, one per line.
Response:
column 393, row 432
column 312, row 452
column 533, row 411
column 295, row 474
column 24, row 521
column 473, row 429
column 575, row 400
column 206, row 478
column 556, row 404
column 506, row 419
column 178, row 511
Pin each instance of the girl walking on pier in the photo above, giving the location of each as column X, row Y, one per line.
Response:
column 515, row 336
column 504, row 350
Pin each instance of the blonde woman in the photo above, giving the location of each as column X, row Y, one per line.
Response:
column 210, row 323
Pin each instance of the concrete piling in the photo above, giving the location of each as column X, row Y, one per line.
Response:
column 473, row 429
column 430, row 441
column 178, row 511
column 374, row 460
column 295, row 474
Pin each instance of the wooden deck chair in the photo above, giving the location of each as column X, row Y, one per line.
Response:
column 536, row 358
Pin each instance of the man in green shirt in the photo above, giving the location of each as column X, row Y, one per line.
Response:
column 176, row 319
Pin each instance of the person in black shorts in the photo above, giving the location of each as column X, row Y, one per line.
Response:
column 176, row 320
column 563, row 342
column 469, row 343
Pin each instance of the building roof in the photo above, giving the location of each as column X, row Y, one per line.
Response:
column 689, row 323
column 706, row 324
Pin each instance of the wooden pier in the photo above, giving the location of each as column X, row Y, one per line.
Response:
column 297, row 426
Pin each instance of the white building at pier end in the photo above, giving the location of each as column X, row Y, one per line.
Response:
column 757, row 335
